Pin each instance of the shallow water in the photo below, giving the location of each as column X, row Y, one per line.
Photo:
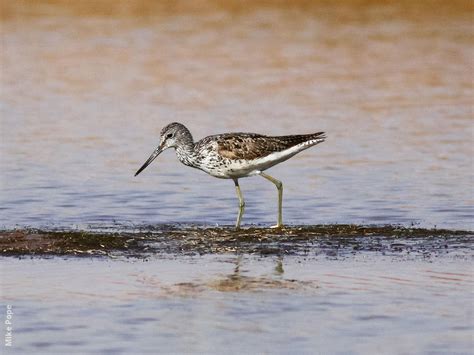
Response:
column 182, row 289
column 241, row 304
column 85, row 91
column 85, row 94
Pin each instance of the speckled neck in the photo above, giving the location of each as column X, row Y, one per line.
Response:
column 185, row 147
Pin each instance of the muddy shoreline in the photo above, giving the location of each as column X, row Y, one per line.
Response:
column 327, row 240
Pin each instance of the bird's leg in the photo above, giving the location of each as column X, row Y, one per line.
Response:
column 241, row 203
column 279, row 187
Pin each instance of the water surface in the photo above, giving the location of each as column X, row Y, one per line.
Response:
column 241, row 304
column 86, row 90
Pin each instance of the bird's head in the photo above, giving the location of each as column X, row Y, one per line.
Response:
column 171, row 136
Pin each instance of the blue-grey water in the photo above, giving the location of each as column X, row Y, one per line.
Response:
column 357, row 305
column 84, row 96
column 85, row 90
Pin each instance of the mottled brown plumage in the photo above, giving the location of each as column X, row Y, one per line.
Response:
column 251, row 146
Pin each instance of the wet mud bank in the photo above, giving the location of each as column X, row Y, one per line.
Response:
column 325, row 240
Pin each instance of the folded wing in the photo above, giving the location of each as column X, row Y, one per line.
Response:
column 253, row 146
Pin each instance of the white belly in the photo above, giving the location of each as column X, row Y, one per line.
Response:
column 233, row 169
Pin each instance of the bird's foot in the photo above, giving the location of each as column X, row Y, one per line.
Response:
column 277, row 226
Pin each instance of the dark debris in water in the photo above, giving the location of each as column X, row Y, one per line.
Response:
column 38, row 242
column 328, row 240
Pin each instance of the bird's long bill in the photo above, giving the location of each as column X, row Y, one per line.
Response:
column 150, row 159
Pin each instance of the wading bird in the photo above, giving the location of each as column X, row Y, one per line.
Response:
column 234, row 155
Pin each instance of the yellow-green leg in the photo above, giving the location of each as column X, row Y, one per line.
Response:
column 241, row 203
column 279, row 187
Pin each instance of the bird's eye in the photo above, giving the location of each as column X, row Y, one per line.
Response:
column 169, row 135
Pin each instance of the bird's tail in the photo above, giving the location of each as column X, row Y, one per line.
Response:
column 320, row 136
column 304, row 140
column 312, row 139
